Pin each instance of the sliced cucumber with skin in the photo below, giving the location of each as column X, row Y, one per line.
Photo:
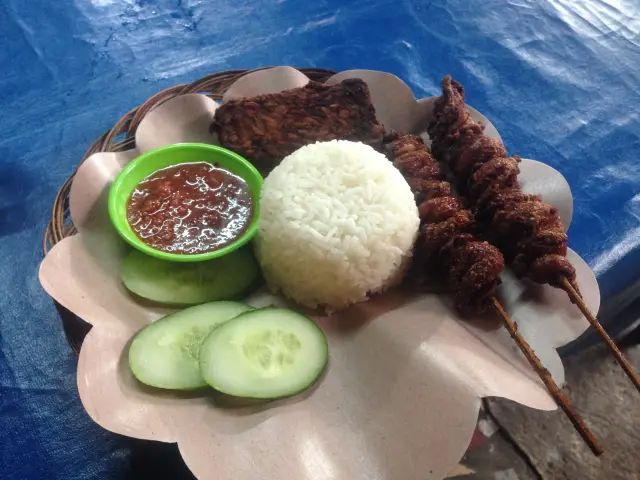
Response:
column 265, row 353
column 164, row 354
column 181, row 284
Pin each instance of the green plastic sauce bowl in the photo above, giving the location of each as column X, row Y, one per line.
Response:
column 163, row 157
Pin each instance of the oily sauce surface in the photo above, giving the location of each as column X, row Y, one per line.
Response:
column 190, row 208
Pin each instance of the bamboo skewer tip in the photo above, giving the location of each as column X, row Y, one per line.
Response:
column 576, row 298
column 561, row 400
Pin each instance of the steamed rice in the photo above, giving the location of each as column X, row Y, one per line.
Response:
column 337, row 221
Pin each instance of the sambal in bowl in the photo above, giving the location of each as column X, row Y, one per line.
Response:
column 187, row 202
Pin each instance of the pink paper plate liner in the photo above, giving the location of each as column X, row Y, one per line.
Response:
column 401, row 395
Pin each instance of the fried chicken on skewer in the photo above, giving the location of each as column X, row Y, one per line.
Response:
column 471, row 268
column 529, row 233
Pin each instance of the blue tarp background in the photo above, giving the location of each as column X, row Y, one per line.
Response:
column 560, row 79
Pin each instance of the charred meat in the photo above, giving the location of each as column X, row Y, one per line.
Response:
column 470, row 267
column 529, row 233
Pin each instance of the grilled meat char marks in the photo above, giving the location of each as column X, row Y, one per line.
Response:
column 470, row 267
column 267, row 128
column 529, row 233
column 474, row 269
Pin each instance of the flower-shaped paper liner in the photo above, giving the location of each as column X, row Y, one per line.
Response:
column 401, row 394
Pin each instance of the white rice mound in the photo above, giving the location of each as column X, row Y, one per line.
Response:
column 337, row 222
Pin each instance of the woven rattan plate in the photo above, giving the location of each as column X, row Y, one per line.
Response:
column 121, row 137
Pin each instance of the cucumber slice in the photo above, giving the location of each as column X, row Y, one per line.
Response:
column 164, row 354
column 181, row 284
column 265, row 353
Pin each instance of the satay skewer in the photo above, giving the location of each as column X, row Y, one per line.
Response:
column 559, row 397
column 593, row 321
column 470, row 267
column 530, row 233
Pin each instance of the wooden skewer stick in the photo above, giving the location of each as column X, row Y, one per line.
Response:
column 547, row 379
column 624, row 363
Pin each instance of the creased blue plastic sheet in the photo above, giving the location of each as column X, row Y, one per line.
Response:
column 559, row 79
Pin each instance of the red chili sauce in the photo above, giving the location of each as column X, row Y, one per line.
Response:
column 190, row 208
